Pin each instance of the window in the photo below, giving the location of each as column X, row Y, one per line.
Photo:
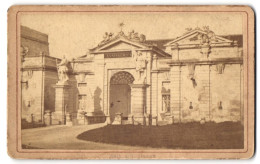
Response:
column 166, row 97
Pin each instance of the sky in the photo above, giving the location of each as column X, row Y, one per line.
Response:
column 73, row 34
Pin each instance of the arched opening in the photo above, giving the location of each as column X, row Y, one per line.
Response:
column 120, row 94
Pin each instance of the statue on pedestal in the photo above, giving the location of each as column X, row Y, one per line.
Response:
column 63, row 70
column 140, row 62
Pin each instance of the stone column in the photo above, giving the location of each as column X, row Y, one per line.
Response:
column 138, row 99
column 61, row 103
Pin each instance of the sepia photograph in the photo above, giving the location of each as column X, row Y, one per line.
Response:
column 120, row 81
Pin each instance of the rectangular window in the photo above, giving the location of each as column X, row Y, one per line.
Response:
column 166, row 97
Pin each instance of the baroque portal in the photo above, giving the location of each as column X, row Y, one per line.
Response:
column 120, row 95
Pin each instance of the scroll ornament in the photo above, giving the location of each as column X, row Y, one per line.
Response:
column 220, row 68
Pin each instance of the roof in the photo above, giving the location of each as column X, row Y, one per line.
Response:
column 238, row 38
column 29, row 33
column 158, row 43
column 137, row 42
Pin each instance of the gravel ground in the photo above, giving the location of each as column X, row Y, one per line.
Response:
column 64, row 137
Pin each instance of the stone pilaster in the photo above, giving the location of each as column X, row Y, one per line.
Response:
column 204, row 82
column 138, row 98
column 175, row 52
column 175, row 92
column 61, row 103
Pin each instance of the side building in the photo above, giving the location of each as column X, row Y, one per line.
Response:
column 39, row 73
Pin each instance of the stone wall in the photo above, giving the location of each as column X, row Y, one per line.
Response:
column 32, row 96
column 211, row 96
column 215, row 52
column 226, row 88
column 39, row 74
column 35, row 41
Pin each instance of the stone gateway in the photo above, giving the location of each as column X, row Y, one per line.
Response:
column 127, row 79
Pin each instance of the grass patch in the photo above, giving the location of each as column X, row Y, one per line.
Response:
column 226, row 135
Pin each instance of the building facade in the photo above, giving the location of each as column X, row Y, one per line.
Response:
column 127, row 79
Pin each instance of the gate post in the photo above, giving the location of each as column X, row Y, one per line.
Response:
column 138, row 98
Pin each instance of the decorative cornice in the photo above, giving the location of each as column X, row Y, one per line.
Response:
column 83, row 71
column 40, row 68
column 206, row 62
column 45, row 56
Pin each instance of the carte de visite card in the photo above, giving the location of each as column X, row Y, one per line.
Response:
column 131, row 82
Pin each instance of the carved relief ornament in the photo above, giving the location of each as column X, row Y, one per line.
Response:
column 220, row 68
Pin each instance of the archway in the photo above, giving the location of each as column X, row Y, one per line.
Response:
column 120, row 94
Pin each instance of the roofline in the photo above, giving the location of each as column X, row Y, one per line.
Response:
column 185, row 35
column 151, row 48
column 194, row 31
column 34, row 30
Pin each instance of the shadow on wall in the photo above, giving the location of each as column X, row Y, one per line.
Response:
column 97, row 101
column 75, row 91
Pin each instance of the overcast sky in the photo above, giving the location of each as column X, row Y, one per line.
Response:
column 74, row 33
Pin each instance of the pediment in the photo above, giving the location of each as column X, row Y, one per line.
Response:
column 121, row 45
column 193, row 38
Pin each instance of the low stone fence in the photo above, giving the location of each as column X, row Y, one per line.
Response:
column 73, row 119
column 94, row 119
column 135, row 120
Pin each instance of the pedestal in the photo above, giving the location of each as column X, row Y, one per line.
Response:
column 108, row 119
column 118, row 119
column 47, row 118
column 61, row 103
column 81, row 117
column 68, row 119
column 138, row 103
column 205, row 51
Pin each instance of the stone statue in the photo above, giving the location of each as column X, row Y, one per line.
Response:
column 107, row 37
column 142, row 38
column 63, row 70
column 140, row 62
column 205, row 39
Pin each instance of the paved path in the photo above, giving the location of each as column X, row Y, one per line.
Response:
column 64, row 137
